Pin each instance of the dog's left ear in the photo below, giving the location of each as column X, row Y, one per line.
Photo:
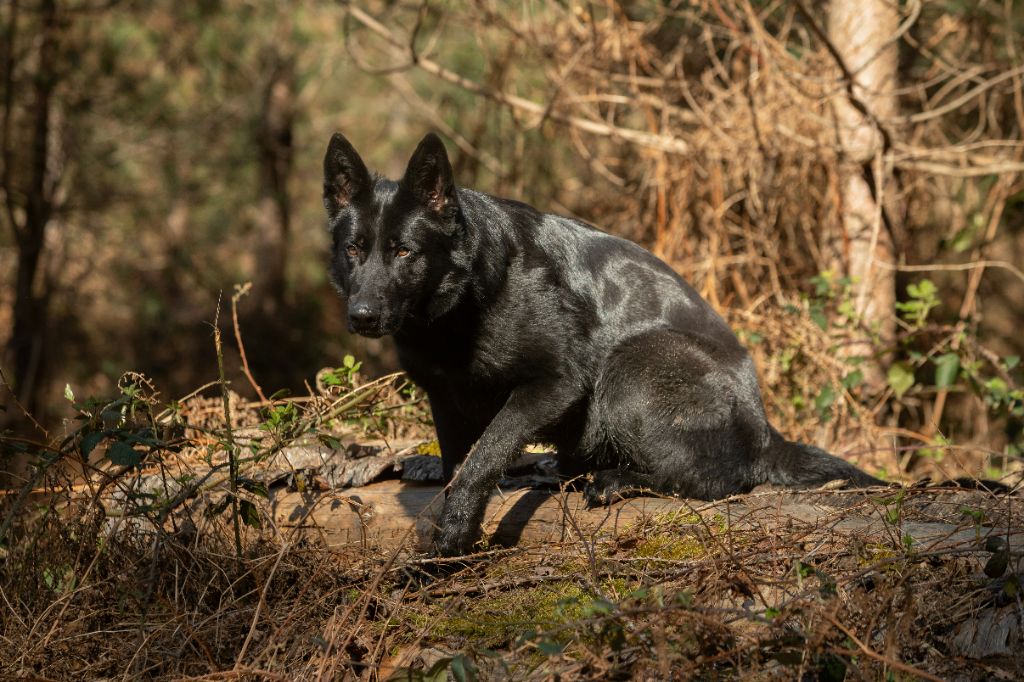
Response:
column 345, row 174
column 429, row 176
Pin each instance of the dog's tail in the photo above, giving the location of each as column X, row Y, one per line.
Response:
column 804, row 466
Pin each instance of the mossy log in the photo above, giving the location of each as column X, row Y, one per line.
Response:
column 392, row 513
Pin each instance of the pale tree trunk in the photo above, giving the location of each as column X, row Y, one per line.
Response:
column 862, row 33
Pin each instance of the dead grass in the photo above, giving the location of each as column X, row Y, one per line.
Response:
column 103, row 585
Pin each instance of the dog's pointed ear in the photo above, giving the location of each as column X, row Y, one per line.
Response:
column 345, row 174
column 429, row 176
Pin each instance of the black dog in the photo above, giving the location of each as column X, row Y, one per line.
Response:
column 529, row 327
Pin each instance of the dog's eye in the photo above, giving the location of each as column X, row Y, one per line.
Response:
column 352, row 250
column 402, row 252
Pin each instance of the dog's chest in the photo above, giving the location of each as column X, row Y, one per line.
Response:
column 492, row 362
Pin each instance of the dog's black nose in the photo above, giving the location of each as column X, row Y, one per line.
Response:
column 364, row 316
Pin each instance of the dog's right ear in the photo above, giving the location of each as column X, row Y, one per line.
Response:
column 345, row 174
column 429, row 176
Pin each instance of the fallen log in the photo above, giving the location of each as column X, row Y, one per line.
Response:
column 392, row 513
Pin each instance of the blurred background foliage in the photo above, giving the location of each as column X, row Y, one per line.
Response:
column 157, row 153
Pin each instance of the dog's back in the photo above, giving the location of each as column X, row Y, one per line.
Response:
column 576, row 280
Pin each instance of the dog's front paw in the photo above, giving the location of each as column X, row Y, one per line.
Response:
column 460, row 523
column 453, row 543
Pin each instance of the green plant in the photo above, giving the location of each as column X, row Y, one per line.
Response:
column 127, row 423
column 344, row 376
column 923, row 298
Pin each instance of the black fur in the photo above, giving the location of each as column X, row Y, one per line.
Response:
column 529, row 327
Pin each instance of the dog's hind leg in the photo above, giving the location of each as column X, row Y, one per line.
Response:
column 610, row 485
column 683, row 416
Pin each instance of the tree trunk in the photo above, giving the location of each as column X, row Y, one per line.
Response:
column 29, row 338
column 861, row 32
column 275, row 134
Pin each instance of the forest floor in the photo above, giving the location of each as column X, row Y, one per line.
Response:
column 149, row 566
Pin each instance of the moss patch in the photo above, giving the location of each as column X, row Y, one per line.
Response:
column 674, row 547
column 675, row 519
column 494, row 619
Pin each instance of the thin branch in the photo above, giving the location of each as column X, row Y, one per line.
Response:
column 240, row 291
column 663, row 143
column 923, row 116
column 957, row 267
column 232, row 451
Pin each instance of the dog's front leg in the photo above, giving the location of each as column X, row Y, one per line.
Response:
column 525, row 413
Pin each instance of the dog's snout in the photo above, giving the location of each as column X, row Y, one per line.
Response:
column 364, row 316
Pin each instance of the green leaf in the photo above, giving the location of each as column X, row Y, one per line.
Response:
column 463, row 669
column 218, row 507
column 853, row 379
column 818, row 317
column 68, row 393
column 977, row 514
column 330, row 441
column 528, row 636
column 901, row 378
column 253, row 486
column 962, row 240
column 600, row 607
column 438, row 672
column 822, row 283
column 144, row 438
column 1011, row 361
column 925, row 289
column 995, row 567
column 90, row 441
column 550, row 648
column 997, row 387
column 122, row 454
column 250, row 514
column 946, row 367
column 824, row 399
column 640, row 593
column 349, row 362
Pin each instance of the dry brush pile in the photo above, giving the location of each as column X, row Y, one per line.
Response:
column 854, row 164
column 171, row 562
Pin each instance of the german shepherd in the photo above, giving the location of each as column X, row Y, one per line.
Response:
column 524, row 327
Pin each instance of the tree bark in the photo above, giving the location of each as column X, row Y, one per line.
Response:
column 861, row 32
column 28, row 342
column 274, row 141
